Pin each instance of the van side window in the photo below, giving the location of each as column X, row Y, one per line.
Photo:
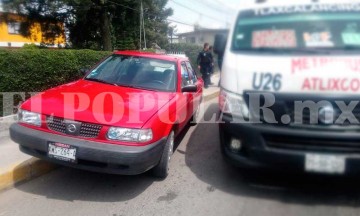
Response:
column 185, row 78
column 191, row 72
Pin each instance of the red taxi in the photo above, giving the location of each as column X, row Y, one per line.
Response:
column 121, row 118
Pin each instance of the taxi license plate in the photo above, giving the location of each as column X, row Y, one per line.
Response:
column 328, row 164
column 62, row 152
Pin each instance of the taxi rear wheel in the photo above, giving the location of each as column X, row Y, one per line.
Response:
column 162, row 169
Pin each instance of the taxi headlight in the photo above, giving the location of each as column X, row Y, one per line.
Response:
column 29, row 118
column 130, row 135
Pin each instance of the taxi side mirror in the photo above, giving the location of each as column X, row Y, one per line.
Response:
column 189, row 88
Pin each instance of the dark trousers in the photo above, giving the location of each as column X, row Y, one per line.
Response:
column 206, row 72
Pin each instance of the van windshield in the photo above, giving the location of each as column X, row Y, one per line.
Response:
column 298, row 32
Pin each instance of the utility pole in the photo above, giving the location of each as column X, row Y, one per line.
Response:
column 105, row 27
column 140, row 25
column 143, row 22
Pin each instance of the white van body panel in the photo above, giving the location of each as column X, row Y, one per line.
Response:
column 298, row 74
column 337, row 74
column 306, row 56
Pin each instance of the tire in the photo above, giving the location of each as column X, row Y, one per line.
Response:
column 162, row 169
column 195, row 119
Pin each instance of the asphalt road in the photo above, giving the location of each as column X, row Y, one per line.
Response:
column 200, row 183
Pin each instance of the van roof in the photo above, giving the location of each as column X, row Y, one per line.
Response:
column 254, row 4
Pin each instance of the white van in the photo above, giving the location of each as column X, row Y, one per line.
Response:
column 290, row 87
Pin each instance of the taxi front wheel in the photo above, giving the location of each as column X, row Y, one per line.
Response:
column 162, row 169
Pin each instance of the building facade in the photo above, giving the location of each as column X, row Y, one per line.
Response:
column 11, row 36
column 201, row 35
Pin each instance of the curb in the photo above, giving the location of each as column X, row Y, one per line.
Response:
column 24, row 171
column 32, row 168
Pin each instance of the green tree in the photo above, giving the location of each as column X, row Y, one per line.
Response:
column 99, row 24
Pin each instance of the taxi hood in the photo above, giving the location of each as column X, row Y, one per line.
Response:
column 98, row 103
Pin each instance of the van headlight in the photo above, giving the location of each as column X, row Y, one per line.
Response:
column 29, row 118
column 130, row 135
column 233, row 104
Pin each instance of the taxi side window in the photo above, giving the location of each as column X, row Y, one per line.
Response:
column 185, row 78
column 191, row 72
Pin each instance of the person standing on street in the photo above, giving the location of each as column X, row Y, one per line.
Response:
column 205, row 63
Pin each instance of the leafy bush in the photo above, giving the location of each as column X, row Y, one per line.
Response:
column 35, row 70
column 191, row 51
column 30, row 46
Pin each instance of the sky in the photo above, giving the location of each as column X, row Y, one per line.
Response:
column 206, row 13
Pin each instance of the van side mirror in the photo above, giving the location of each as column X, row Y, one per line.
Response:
column 84, row 71
column 220, row 44
column 189, row 88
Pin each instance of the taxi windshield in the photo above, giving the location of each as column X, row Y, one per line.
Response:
column 298, row 32
column 136, row 72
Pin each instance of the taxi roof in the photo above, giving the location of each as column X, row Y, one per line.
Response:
column 151, row 55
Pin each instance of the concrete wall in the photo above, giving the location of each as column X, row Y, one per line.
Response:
column 200, row 37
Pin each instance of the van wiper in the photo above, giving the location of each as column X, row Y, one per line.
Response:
column 340, row 49
column 347, row 48
column 101, row 81
column 284, row 51
column 312, row 50
column 353, row 47
column 262, row 49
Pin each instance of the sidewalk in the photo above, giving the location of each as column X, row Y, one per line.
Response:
column 213, row 90
column 16, row 167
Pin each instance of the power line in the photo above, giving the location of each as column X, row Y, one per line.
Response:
column 225, row 5
column 180, row 22
column 125, row 6
column 168, row 19
column 215, row 8
column 193, row 10
column 219, row 7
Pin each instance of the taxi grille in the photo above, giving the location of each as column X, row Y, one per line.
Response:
column 90, row 130
column 86, row 130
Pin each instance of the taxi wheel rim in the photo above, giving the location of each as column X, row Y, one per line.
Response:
column 197, row 113
column 171, row 146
